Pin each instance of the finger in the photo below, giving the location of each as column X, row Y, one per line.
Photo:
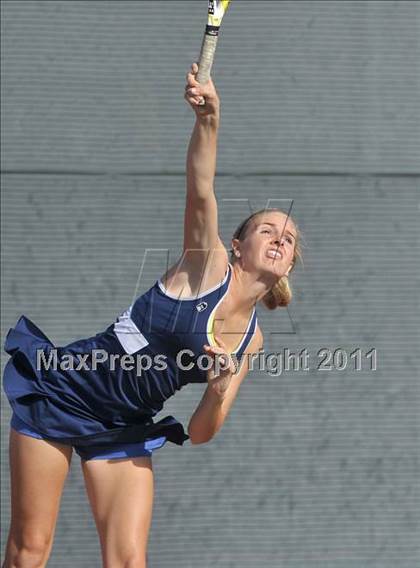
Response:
column 214, row 353
column 224, row 360
column 191, row 95
column 192, row 101
column 191, row 79
column 193, row 83
column 193, row 91
column 214, row 349
column 193, row 70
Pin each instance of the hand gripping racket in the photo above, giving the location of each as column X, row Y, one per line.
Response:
column 216, row 11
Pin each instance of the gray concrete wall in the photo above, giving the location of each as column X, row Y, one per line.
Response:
column 320, row 106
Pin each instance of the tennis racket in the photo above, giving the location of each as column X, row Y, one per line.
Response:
column 216, row 11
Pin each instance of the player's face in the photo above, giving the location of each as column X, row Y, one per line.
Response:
column 269, row 243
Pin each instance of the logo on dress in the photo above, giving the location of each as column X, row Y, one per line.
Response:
column 201, row 306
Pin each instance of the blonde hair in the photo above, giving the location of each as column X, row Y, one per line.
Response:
column 280, row 294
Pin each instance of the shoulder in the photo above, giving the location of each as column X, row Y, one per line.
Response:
column 196, row 271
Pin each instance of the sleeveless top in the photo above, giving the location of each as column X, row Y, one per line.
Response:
column 120, row 378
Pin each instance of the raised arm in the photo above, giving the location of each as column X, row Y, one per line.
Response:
column 201, row 219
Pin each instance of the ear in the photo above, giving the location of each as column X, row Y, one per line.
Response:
column 235, row 247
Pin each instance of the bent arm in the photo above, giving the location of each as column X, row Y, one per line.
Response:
column 208, row 418
column 212, row 410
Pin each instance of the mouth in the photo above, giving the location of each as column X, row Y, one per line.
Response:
column 274, row 254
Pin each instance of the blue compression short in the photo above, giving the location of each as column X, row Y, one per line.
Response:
column 112, row 451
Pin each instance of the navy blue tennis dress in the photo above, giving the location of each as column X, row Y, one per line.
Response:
column 88, row 395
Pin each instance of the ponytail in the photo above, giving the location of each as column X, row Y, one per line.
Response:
column 279, row 296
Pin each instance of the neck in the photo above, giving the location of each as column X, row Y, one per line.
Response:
column 247, row 289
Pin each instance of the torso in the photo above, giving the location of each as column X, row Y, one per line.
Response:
column 162, row 322
column 184, row 282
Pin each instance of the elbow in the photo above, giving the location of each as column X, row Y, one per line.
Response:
column 196, row 438
column 195, row 441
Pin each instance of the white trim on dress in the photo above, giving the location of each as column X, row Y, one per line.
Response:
column 201, row 295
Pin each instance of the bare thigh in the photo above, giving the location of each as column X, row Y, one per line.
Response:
column 120, row 492
column 38, row 470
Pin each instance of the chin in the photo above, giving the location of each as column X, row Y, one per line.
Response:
column 273, row 268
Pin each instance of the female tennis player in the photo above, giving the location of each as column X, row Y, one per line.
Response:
column 196, row 324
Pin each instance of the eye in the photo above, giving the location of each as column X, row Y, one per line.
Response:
column 289, row 239
column 265, row 231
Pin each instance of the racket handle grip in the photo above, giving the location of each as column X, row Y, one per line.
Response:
column 205, row 62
